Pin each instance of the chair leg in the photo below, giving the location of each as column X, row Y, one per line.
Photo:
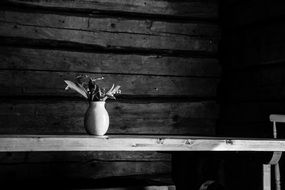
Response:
column 277, row 177
column 266, row 177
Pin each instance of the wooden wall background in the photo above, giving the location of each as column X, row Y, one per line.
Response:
column 162, row 52
column 252, row 56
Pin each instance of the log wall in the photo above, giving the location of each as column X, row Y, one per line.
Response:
column 163, row 53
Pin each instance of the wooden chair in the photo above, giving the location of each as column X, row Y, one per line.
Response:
column 275, row 158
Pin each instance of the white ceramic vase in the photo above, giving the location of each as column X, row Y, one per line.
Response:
column 96, row 120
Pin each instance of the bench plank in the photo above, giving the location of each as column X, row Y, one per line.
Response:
column 10, row 143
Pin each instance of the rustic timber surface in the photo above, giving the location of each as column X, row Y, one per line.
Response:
column 15, row 143
column 163, row 53
column 178, row 118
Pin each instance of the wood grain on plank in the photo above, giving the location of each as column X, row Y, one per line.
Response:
column 56, row 60
column 139, row 187
column 47, row 83
column 88, row 156
column 196, row 9
column 125, row 118
column 135, row 143
column 93, row 23
column 82, row 170
column 107, row 39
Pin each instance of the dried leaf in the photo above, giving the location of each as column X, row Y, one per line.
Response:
column 111, row 89
column 99, row 78
column 91, row 85
column 116, row 89
column 101, row 93
column 85, row 91
column 76, row 87
column 88, row 88
column 111, row 96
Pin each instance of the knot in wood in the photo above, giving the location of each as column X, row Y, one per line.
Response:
column 148, row 24
column 160, row 141
column 188, row 142
column 228, row 141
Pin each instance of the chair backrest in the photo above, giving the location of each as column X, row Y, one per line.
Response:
column 276, row 118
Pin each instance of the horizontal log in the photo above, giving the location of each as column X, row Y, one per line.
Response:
column 111, row 24
column 56, row 60
column 196, row 9
column 47, row 83
column 89, row 170
column 133, row 182
column 100, row 39
column 82, row 157
column 149, row 187
column 117, row 183
column 12, row 143
column 125, row 118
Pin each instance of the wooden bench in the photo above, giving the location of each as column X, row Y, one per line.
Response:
column 20, row 143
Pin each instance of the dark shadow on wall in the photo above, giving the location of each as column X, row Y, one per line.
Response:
column 252, row 83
